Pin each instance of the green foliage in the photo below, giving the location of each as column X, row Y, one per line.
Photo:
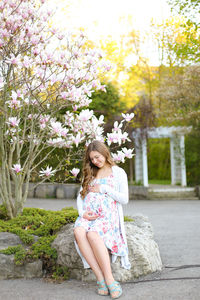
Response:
column 19, row 251
column 107, row 103
column 160, row 181
column 43, row 223
column 60, row 273
column 190, row 9
column 159, row 159
column 3, row 213
column 192, row 156
column 128, row 219
column 42, row 248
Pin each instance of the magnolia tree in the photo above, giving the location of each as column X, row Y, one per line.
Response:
column 44, row 72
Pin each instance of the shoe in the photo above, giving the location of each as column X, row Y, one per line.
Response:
column 102, row 288
column 113, row 288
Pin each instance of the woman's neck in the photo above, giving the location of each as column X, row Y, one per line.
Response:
column 105, row 171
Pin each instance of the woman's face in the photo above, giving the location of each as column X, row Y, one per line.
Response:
column 97, row 159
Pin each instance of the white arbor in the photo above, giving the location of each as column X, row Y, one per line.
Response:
column 177, row 153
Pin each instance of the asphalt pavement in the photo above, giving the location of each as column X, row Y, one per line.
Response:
column 176, row 226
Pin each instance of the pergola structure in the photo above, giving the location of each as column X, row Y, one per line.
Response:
column 177, row 153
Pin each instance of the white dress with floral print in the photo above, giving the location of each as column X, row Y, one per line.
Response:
column 107, row 225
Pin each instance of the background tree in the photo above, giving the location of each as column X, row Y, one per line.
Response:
column 190, row 9
column 107, row 102
column 43, row 73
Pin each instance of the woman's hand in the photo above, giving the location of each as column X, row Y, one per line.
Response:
column 90, row 216
column 95, row 188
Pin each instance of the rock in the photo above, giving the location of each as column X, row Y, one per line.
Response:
column 144, row 254
column 8, row 268
column 8, row 239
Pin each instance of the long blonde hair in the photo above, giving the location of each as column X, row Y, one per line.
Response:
column 89, row 169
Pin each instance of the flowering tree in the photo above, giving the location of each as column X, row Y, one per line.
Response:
column 43, row 73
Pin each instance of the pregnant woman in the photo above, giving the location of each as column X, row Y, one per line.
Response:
column 99, row 229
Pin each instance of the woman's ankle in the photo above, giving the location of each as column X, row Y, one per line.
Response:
column 109, row 280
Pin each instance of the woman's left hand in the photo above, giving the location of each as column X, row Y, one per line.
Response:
column 95, row 188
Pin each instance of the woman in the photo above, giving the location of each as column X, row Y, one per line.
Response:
column 100, row 225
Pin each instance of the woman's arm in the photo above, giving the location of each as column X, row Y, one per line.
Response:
column 90, row 216
column 79, row 202
column 121, row 195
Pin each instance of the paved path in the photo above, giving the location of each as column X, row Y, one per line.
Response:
column 177, row 232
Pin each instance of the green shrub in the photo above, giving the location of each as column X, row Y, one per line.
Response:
column 19, row 251
column 42, row 223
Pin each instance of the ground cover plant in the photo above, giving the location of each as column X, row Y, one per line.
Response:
column 41, row 223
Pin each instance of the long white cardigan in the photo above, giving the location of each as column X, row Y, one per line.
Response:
column 121, row 195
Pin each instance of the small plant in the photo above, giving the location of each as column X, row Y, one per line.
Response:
column 61, row 273
column 19, row 251
column 128, row 219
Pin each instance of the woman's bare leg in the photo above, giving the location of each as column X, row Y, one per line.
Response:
column 87, row 252
column 102, row 256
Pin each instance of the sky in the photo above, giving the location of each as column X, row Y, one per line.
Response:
column 103, row 18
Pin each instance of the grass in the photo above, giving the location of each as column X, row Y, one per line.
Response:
column 160, row 181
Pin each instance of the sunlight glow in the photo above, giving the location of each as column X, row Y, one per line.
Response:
column 115, row 18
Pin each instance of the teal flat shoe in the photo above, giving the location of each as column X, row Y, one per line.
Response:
column 113, row 288
column 102, row 288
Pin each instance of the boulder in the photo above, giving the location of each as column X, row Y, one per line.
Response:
column 8, row 239
column 144, row 254
column 8, row 268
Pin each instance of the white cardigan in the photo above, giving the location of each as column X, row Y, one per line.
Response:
column 121, row 195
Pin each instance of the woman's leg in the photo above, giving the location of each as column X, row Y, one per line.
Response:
column 102, row 256
column 87, row 252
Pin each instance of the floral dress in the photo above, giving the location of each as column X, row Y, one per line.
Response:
column 107, row 225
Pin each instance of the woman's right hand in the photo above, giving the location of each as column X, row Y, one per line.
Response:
column 90, row 216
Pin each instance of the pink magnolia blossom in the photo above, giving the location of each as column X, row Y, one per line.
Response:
column 77, row 139
column 119, row 156
column 17, row 168
column 128, row 117
column 13, row 60
column 113, row 137
column 48, row 172
column 26, row 62
column 85, row 115
column 128, row 152
column 56, row 128
column 57, row 142
column 15, row 104
column 1, row 83
column 35, row 40
column 13, row 121
column 64, row 95
column 4, row 33
column 117, row 127
column 75, row 171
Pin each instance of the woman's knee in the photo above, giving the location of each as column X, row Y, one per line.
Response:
column 92, row 236
column 79, row 232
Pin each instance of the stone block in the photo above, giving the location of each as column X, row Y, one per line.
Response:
column 8, row 268
column 60, row 192
column 45, row 191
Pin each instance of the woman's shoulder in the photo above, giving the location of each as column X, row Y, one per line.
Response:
column 118, row 170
